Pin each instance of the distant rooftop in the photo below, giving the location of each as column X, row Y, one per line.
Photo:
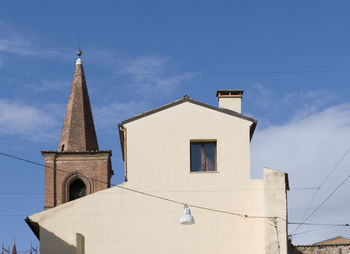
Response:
column 334, row 240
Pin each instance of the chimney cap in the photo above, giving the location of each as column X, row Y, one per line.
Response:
column 229, row 93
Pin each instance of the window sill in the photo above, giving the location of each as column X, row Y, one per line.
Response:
column 204, row 172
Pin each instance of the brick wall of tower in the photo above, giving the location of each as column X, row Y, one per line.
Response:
column 94, row 168
column 49, row 180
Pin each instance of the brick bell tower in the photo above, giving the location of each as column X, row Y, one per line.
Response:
column 78, row 167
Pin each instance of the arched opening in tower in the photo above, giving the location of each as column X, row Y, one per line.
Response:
column 77, row 189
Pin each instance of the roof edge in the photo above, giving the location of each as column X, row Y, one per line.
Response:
column 155, row 110
column 121, row 138
column 330, row 239
column 252, row 129
column 323, row 245
column 34, row 226
column 186, row 98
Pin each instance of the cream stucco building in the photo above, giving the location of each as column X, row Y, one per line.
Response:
column 185, row 152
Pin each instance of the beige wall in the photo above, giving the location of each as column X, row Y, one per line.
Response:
column 159, row 146
column 158, row 152
column 233, row 103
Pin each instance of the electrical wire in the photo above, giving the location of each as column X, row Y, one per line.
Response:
column 148, row 194
column 174, row 191
column 194, row 206
column 42, row 165
column 310, row 231
column 199, row 73
column 318, row 189
column 327, row 198
column 319, row 224
column 270, row 218
column 181, row 202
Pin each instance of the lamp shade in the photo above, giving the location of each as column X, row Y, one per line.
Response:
column 187, row 218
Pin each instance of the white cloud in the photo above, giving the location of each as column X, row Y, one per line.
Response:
column 262, row 96
column 148, row 76
column 26, row 121
column 15, row 41
column 310, row 101
column 145, row 65
column 307, row 148
column 306, row 102
column 107, row 117
column 23, row 47
column 50, row 85
column 303, row 139
column 145, row 82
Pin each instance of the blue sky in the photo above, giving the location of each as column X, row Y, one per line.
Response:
column 291, row 58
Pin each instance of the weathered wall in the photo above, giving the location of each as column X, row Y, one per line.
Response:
column 275, row 202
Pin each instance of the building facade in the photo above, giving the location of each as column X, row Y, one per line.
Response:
column 185, row 153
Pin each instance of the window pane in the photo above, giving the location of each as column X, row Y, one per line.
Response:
column 210, row 151
column 196, row 161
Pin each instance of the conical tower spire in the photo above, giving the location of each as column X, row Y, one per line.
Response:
column 78, row 133
column 14, row 249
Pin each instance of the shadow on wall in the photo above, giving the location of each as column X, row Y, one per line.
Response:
column 51, row 243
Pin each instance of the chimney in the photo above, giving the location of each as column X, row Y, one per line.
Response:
column 230, row 99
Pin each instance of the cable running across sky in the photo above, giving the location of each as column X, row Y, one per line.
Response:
column 150, row 195
column 306, row 218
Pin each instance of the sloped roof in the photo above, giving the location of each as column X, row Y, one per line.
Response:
column 186, row 98
column 334, row 240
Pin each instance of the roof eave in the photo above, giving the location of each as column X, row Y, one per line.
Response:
column 121, row 138
column 34, row 226
column 187, row 99
column 252, row 129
